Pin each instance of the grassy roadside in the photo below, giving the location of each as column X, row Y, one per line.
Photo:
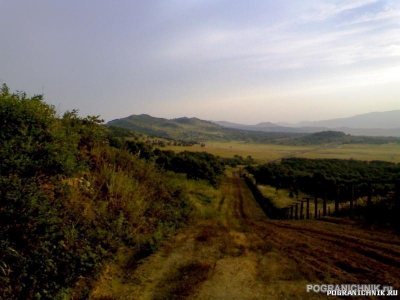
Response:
column 73, row 197
column 116, row 281
column 221, row 254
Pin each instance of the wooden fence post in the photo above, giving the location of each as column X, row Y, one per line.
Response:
column 397, row 204
column 316, row 207
column 337, row 202
column 308, row 209
column 324, row 205
column 352, row 202
column 301, row 210
column 296, row 217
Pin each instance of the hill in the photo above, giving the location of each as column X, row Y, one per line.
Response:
column 264, row 126
column 193, row 129
column 196, row 130
column 181, row 128
column 371, row 124
column 270, row 127
column 381, row 120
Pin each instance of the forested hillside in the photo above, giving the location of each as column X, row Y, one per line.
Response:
column 193, row 129
column 72, row 194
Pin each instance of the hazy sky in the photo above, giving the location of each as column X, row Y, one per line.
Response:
column 240, row 61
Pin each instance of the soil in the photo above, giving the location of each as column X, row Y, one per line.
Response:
column 238, row 253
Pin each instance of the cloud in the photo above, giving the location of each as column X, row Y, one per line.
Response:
column 186, row 52
column 327, row 9
column 389, row 13
column 288, row 44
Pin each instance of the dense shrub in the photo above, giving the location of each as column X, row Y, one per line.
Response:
column 69, row 201
column 196, row 165
column 339, row 179
column 310, row 174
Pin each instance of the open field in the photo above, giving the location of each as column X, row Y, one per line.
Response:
column 265, row 153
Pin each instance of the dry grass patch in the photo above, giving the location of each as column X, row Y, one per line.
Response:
column 261, row 247
column 280, row 198
column 273, row 267
column 182, row 282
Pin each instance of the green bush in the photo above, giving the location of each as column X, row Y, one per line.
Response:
column 196, row 165
column 69, row 201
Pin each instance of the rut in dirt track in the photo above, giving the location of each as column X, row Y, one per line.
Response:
column 236, row 252
column 340, row 253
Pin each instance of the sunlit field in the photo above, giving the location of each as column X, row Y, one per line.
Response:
column 266, row 153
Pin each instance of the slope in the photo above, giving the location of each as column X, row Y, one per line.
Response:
column 382, row 120
column 371, row 124
column 193, row 129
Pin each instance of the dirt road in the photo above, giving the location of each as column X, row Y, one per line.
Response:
column 235, row 252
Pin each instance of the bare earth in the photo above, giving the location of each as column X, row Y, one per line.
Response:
column 238, row 253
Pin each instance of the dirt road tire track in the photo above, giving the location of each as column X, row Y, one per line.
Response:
column 241, row 254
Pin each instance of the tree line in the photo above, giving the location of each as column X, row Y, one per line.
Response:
column 339, row 180
column 325, row 175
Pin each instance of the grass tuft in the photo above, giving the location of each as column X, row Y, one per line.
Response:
column 182, row 282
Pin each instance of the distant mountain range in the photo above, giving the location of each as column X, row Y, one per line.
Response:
column 371, row 124
column 193, row 129
column 259, row 127
column 381, row 120
column 196, row 130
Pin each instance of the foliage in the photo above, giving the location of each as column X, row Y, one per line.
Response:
column 33, row 142
column 237, row 160
column 373, row 187
column 68, row 200
column 333, row 178
column 122, row 132
column 196, row 165
column 140, row 149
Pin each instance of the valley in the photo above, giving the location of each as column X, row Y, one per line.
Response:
column 105, row 212
column 192, row 134
column 200, row 150
column 266, row 152
column 232, row 250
